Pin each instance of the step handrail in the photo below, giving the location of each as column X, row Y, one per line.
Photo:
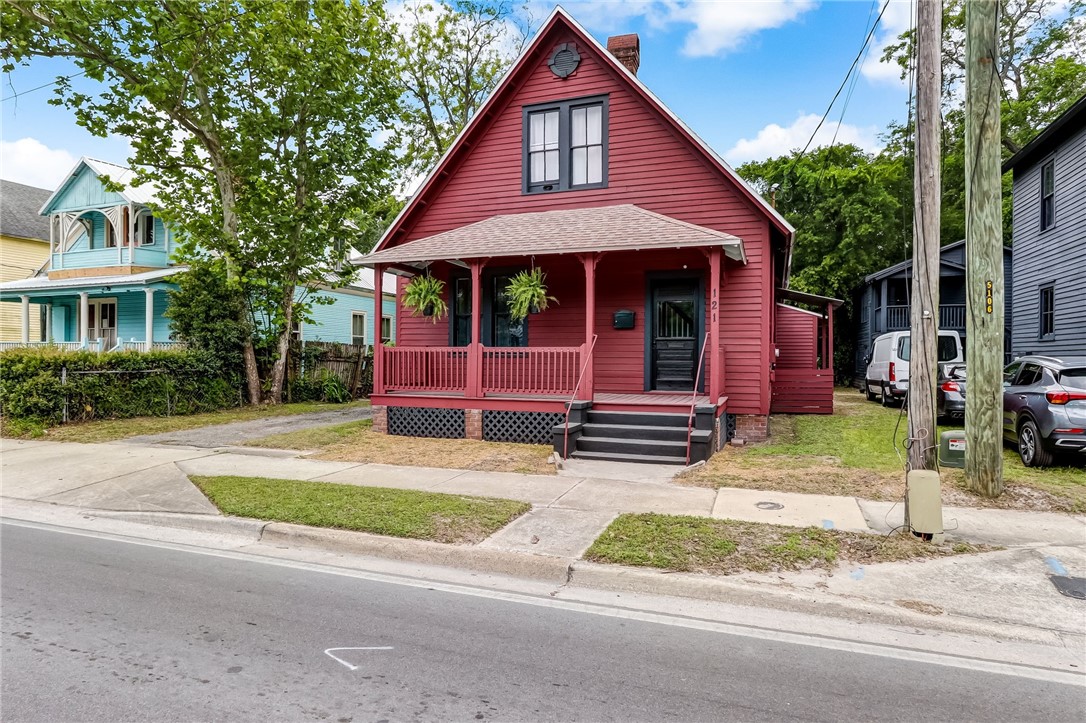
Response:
column 694, row 399
column 573, row 398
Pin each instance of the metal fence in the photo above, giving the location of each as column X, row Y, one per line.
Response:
column 120, row 394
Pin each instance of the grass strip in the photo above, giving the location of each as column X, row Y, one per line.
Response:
column 312, row 438
column 108, row 430
column 727, row 547
column 379, row 510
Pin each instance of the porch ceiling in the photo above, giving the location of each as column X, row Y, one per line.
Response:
column 609, row 228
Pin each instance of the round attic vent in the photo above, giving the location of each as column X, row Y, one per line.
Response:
column 564, row 60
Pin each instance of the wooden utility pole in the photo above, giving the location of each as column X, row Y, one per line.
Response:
column 927, row 194
column 983, row 250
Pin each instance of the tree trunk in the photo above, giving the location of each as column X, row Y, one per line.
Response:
column 279, row 368
column 252, row 372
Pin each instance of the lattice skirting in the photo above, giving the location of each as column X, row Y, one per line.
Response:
column 424, row 422
column 729, row 427
column 523, row 427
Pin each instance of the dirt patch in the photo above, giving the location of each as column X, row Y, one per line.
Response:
column 920, row 607
column 364, row 445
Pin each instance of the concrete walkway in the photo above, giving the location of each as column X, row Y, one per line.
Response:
column 569, row 511
column 236, row 433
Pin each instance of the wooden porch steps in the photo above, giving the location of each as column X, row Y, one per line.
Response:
column 642, row 437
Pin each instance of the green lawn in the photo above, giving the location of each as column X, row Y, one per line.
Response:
column 108, row 430
column 726, row 547
column 853, row 452
column 381, row 511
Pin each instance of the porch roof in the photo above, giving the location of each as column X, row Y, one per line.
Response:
column 584, row 230
column 45, row 284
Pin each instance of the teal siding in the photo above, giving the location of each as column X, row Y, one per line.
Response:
column 332, row 322
column 84, row 191
column 150, row 255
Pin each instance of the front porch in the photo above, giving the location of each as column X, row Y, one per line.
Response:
column 644, row 319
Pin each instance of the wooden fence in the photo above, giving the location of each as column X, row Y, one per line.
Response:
column 351, row 363
column 802, row 391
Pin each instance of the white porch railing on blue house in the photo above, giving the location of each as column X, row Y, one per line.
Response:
column 97, row 345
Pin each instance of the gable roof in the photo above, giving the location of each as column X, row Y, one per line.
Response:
column 143, row 194
column 559, row 15
column 1070, row 122
column 624, row 227
column 908, row 263
column 19, row 215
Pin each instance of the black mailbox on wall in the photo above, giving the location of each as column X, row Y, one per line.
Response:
column 623, row 319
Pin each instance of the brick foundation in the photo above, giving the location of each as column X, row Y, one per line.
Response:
column 752, row 427
column 473, row 423
column 380, row 419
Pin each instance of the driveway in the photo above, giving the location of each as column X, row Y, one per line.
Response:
column 237, row 433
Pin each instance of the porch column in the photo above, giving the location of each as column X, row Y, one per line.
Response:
column 475, row 351
column 378, row 303
column 49, row 322
column 25, row 317
column 148, row 318
column 884, row 315
column 589, row 363
column 84, row 315
column 715, row 392
column 829, row 336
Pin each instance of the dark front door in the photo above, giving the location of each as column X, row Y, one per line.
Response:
column 674, row 332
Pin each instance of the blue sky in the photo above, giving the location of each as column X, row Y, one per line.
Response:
column 751, row 77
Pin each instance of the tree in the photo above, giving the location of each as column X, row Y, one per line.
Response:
column 258, row 122
column 451, row 56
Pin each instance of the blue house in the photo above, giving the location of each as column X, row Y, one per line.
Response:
column 882, row 303
column 111, row 265
column 1049, row 226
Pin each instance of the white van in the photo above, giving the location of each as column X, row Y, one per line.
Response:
column 887, row 375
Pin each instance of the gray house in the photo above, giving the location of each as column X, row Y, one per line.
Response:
column 882, row 303
column 1049, row 222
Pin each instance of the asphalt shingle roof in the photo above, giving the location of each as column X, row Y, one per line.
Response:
column 19, row 206
column 608, row 228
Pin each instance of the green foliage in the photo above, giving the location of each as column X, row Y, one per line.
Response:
column 426, row 294
column 35, row 385
column 249, row 116
column 451, row 56
column 205, row 312
column 528, row 292
column 323, row 386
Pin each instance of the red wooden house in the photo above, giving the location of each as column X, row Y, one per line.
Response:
column 670, row 275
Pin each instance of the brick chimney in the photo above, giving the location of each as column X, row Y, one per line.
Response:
column 627, row 50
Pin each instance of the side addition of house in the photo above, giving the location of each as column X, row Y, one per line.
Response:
column 669, row 271
column 1049, row 227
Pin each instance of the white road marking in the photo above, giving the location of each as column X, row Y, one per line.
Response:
column 336, row 658
column 1049, row 675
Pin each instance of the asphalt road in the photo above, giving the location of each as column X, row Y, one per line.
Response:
column 99, row 629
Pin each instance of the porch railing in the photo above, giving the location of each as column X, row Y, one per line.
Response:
column 573, row 395
column 67, row 345
column 425, row 369
column 951, row 316
column 694, row 399
column 530, row 370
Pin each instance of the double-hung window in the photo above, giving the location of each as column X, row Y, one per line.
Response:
column 1048, row 311
column 358, row 328
column 565, row 145
column 386, row 329
column 1048, row 195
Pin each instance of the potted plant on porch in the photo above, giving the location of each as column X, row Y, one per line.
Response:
column 528, row 293
column 425, row 295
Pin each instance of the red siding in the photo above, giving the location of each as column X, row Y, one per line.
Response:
column 649, row 165
column 797, row 338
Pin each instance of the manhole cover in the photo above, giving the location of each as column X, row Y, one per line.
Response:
column 1070, row 586
column 769, row 506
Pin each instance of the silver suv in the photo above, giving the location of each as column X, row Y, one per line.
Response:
column 1044, row 407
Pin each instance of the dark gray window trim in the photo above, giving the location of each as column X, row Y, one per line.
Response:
column 1051, row 288
column 486, row 309
column 1049, row 162
column 564, row 153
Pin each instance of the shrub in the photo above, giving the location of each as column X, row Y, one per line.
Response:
column 36, row 384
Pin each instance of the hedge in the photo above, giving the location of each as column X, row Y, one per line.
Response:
column 37, row 383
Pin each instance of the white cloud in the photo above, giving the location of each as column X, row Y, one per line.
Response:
column 30, row 161
column 898, row 18
column 717, row 27
column 775, row 140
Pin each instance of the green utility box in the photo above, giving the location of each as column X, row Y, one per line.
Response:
column 952, row 448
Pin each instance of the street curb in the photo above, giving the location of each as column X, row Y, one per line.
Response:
column 514, row 564
column 213, row 523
